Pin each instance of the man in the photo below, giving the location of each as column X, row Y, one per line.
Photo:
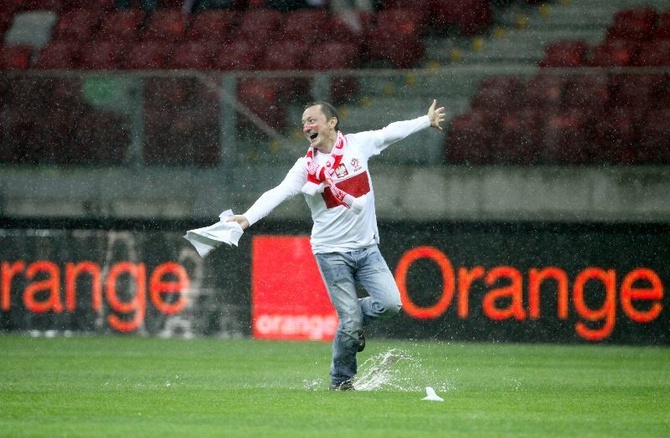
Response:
column 335, row 181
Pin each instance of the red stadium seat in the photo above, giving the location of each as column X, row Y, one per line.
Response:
column 518, row 138
column 654, row 138
column 350, row 26
column 616, row 136
column 43, row 5
column 544, row 92
column 469, row 17
column 102, row 137
column 588, row 93
column 238, row 55
column 262, row 101
column 662, row 29
column 654, row 53
column 635, row 24
column 165, row 25
column 193, row 55
column 284, row 55
column 147, row 55
column 636, row 91
column 96, row 5
column 565, row 139
column 102, row 55
column 573, row 53
column 259, row 25
column 169, row 92
column 614, row 53
column 77, row 24
column 122, row 25
column 336, row 55
column 305, row 25
column 212, row 25
column 496, row 95
column 58, row 55
column 15, row 57
column 469, row 139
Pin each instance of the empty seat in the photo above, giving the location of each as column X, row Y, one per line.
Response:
column 469, row 139
column 589, row 93
column 166, row 25
column 96, row 5
column 122, row 25
column 654, row 138
column 102, row 138
column 102, row 55
column 336, row 55
column 169, row 92
column 616, row 135
column 633, row 24
column 662, row 29
column 614, row 53
column 544, row 91
column 238, row 55
column 284, row 55
column 565, row 139
column 59, row 54
column 469, row 17
column 305, row 25
column 636, row 91
column 497, row 95
column 147, row 55
column 77, row 24
column 654, row 53
column 212, row 25
column 567, row 53
column 262, row 101
column 259, row 25
column 193, row 55
column 15, row 57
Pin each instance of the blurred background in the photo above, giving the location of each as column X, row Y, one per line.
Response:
column 173, row 109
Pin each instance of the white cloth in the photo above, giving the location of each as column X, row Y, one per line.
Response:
column 339, row 229
column 208, row 238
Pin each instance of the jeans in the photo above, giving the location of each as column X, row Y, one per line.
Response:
column 341, row 272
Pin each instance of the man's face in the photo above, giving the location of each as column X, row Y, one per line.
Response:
column 319, row 131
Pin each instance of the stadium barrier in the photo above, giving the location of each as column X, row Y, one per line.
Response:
column 463, row 281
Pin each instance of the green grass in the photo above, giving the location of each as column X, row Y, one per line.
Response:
column 133, row 386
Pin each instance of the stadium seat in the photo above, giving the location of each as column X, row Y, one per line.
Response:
column 614, row 53
column 616, row 136
column 307, row 26
column 336, row 55
column 102, row 55
column 193, row 55
column 567, row 53
column 58, row 55
column 262, row 101
column 212, row 25
column 96, row 5
column 565, row 138
column 259, row 25
column 518, row 138
column 469, row 139
column 654, row 53
column 103, row 137
column 15, row 57
column 16, row 132
column 654, row 138
column 662, row 29
column 121, row 25
column 635, row 24
column 167, row 25
column 588, row 92
column 469, row 17
column 77, row 24
column 238, row 55
column 169, row 92
column 496, row 95
column 43, row 5
column 284, row 55
column 636, row 91
column 544, row 91
column 147, row 55
column 350, row 26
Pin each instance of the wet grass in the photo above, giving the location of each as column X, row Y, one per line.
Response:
column 133, row 386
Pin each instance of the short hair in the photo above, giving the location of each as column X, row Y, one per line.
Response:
column 328, row 109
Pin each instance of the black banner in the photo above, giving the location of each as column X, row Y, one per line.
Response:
column 523, row 282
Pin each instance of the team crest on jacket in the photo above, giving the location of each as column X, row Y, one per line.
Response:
column 355, row 164
column 341, row 171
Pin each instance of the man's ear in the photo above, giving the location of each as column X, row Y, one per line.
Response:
column 333, row 122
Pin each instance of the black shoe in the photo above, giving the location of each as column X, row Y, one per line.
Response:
column 361, row 342
column 347, row 385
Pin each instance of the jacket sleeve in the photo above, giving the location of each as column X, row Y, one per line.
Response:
column 289, row 187
column 373, row 142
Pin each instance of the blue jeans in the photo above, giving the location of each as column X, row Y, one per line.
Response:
column 341, row 272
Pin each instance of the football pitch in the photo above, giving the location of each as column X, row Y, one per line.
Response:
column 150, row 387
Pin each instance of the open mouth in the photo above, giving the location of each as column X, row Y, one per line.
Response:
column 313, row 136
